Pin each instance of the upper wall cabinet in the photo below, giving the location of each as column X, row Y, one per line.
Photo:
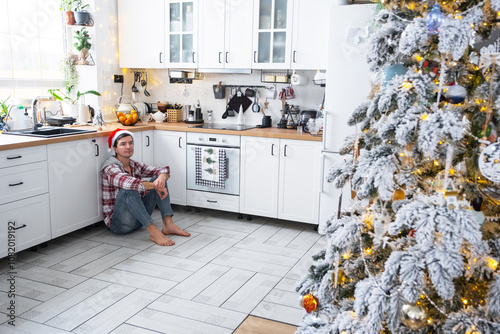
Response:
column 226, row 29
column 310, row 34
column 181, row 37
column 141, row 33
column 158, row 33
column 272, row 34
column 290, row 34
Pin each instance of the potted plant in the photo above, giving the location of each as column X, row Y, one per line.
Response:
column 83, row 45
column 70, row 96
column 67, row 8
column 82, row 17
column 4, row 111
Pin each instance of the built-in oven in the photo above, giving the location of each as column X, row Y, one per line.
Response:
column 213, row 163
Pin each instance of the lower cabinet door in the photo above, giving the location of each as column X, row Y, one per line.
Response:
column 24, row 223
column 74, row 185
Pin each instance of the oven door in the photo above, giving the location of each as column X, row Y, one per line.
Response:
column 231, row 182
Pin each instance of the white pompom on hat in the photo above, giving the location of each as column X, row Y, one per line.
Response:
column 114, row 135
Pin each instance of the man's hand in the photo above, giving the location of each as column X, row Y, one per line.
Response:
column 159, row 185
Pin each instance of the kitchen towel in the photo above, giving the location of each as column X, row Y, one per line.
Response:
column 211, row 165
column 238, row 101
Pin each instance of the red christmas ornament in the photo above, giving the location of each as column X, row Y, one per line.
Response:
column 310, row 303
column 412, row 233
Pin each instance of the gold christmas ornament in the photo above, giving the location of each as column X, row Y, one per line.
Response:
column 413, row 316
column 398, row 195
column 310, row 303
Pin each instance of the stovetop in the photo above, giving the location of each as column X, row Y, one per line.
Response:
column 233, row 127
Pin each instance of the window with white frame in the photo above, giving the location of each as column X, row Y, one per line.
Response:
column 31, row 47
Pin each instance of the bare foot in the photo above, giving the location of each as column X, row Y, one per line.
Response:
column 156, row 236
column 170, row 228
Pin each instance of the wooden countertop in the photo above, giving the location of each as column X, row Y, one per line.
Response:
column 8, row 142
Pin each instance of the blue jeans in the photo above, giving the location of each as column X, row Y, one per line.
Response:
column 133, row 211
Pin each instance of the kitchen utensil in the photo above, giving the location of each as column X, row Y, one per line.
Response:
column 219, row 91
column 271, row 92
column 230, row 112
column 249, row 92
column 266, row 121
column 145, row 84
column 305, row 116
column 255, row 106
column 134, row 88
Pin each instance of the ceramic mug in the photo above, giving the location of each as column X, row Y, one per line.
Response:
column 271, row 92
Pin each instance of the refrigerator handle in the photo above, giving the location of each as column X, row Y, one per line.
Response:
column 325, row 123
column 322, row 173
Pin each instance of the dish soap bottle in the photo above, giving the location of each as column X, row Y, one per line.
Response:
column 240, row 120
column 28, row 122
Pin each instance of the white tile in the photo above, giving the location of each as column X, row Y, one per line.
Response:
column 105, row 262
column 59, row 253
column 288, row 284
column 305, row 240
column 241, row 262
column 130, row 329
column 29, row 327
column 232, row 224
column 15, row 305
column 218, row 232
column 138, row 239
column 197, row 311
column 88, row 308
column 276, row 312
column 223, row 288
column 258, row 255
column 213, row 249
column 171, row 324
column 155, row 270
column 193, row 245
column 30, row 289
column 169, row 261
column 270, row 249
column 301, row 268
column 135, row 280
column 264, row 232
column 285, row 298
column 65, row 300
column 198, row 281
column 118, row 313
column 84, row 258
column 284, row 236
column 251, row 293
column 49, row 276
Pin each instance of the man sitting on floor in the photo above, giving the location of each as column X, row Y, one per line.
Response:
column 127, row 200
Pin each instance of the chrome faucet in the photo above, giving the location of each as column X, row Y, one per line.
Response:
column 34, row 103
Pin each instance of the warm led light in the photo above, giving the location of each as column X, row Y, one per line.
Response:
column 436, row 162
column 345, row 256
column 407, row 85
column 464, row 301
column 424, row 116
column 402, row 154
column 429, row 321
column 418, row 58
column 492, row 263
column 368, row 251
column 472, row 25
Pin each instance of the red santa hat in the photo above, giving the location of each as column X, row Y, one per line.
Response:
column 114, row 135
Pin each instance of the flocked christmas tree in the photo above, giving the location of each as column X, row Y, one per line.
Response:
column 418, row 250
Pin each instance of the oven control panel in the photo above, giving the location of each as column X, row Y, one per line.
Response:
column 210, row 139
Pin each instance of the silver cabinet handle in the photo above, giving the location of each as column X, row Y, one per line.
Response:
column 284, row 151
column 193, row 57
column 147, row 145
column 272, row 149
column 180, row 138
column 160, row 57
column 220, row 53
column 254, row 54
column 227, row 57
column 294, row 53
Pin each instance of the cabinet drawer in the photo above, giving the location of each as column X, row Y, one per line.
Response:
column 24, row 223
column 214, row 201
column 23, row 181
column 23, row 156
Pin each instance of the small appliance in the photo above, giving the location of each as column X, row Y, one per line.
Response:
column 305, row 115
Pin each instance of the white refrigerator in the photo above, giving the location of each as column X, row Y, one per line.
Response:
column 347, row 86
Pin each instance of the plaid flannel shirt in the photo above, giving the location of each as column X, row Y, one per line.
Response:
column 115, row 177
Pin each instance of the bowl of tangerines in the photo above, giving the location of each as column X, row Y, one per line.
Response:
column 127, row 114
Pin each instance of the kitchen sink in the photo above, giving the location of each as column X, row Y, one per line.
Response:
column 49, row 132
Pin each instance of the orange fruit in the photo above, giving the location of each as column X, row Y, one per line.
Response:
column 122, row 119
column 127, row 122
column 119, row 114
column 134, row 117
column 128, row 116
column 133, row 111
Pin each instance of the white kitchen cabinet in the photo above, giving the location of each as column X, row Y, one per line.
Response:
column 225, row 34
column 25, row 223
column 272, row 34
column 259, row 179
column 141, row 33
column 24, row 202
column 299, row 180
column 170, row 150
column 143, row 147
column 74, row 184
column 181, row 34
column 280, row 178
column 311, row 20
